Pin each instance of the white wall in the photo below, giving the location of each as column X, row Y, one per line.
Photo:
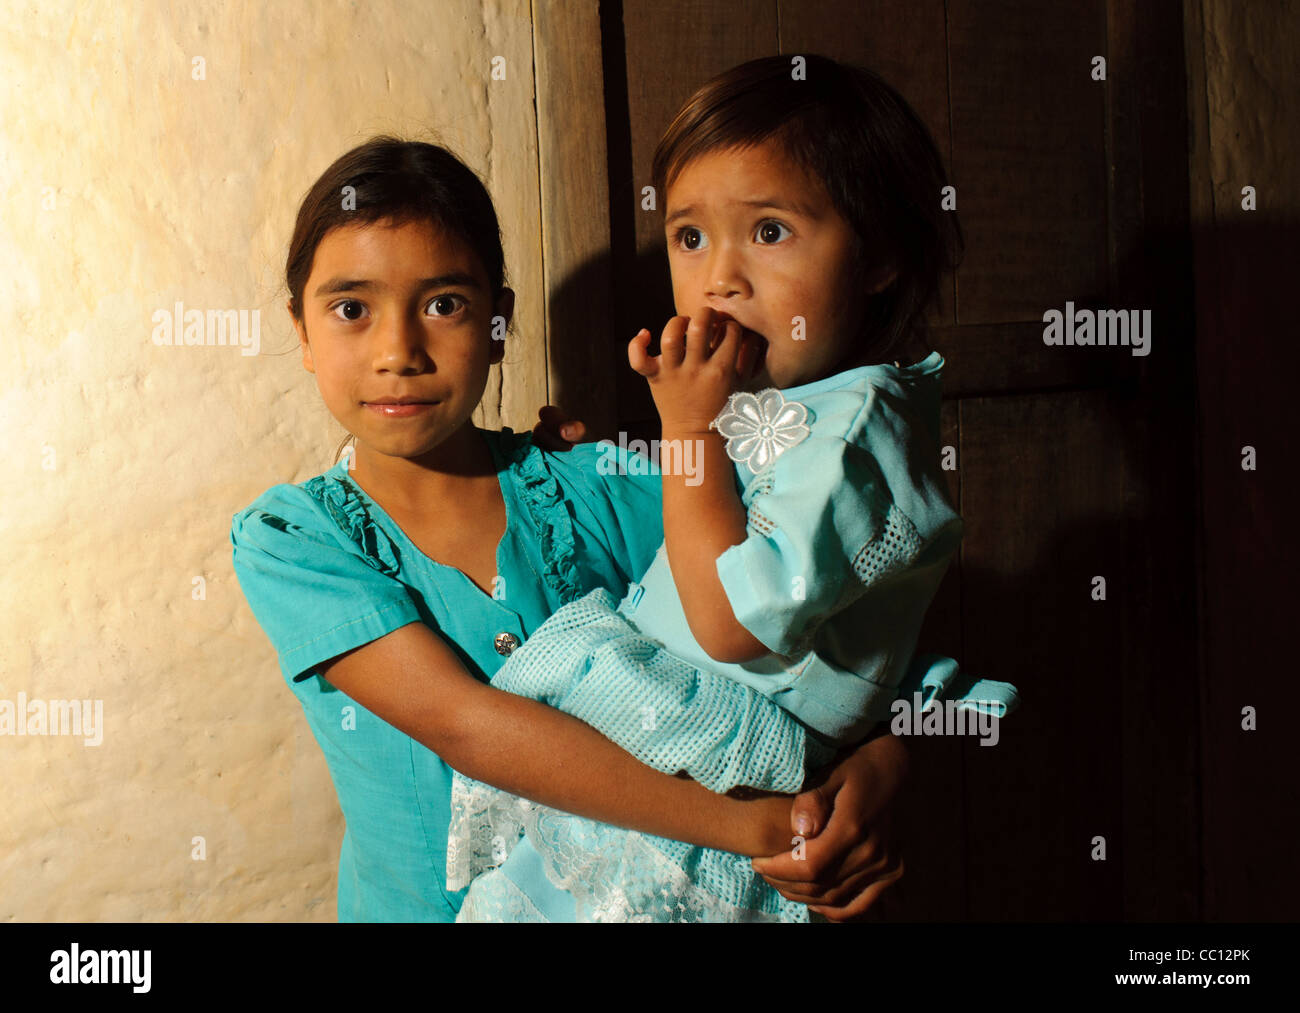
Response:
column 128, row 186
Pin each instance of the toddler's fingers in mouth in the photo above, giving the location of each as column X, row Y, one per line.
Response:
column 701, row 336
column 728, row 340
column 717, row 332
column 752, row 353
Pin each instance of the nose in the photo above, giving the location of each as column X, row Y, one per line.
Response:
column 399, row 344
column 729, row 279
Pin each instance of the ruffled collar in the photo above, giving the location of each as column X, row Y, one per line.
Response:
column 532, row 481
column 347, row 506
column 547, row 509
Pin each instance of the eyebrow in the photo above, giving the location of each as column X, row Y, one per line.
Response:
column 690, row 211
column 459, row 279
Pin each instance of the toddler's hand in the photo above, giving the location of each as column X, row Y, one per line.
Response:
column 699, row 364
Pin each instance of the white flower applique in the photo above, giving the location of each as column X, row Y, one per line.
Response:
column 760, row 427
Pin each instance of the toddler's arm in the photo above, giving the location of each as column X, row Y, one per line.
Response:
column 703, row 515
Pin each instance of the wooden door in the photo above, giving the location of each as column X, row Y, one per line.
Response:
column 1076, row 466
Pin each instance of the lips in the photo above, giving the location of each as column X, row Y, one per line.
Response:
column 399, row 407
column 744, row 331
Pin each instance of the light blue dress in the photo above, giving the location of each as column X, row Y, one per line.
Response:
column 325, row 570
column 849, row 532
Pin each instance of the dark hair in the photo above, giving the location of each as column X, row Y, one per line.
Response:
column 401, row 182
column 855, row 134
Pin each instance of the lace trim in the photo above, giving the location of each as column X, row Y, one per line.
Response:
column 485, row 826
column 762, row 483
column 613, row 875
column 755, row 519
column 759, row 523
column 550, row 514
column 344, row 503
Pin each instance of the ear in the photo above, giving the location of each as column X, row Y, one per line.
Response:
column 505, row 308
column 301, row 328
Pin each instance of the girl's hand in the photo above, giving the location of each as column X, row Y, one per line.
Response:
column 854, row 856
column 699, row 364
column 555, row 430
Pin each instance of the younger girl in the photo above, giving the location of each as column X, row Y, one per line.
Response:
column 778, row 620
column 396, row 280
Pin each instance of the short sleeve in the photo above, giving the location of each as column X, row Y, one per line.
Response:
column 313, row 595
column 822, row 527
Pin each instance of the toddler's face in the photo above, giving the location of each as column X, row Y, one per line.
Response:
column 753, row 237
column 400, row 313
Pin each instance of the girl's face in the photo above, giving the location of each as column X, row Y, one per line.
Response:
column 753, row 237
column 399, row 313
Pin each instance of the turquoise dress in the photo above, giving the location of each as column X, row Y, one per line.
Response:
column 326, row 570
column 849, row 532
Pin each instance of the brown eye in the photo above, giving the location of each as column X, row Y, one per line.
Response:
column 445, row 305
column 691, row 239
column 771, row 232
column 352, row 309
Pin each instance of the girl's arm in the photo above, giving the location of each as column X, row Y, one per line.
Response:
column 414, row 681
column 703, row 515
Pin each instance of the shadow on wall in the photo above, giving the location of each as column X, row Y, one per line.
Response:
column 592, row 379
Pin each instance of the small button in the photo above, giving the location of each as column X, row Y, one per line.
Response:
column 505, row 643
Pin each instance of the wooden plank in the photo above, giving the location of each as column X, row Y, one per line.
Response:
column 903, row 43
column 1028, row 155
column 1011, row 358
column 1150, row 266
column 635, row 408
column 1247, row 360
column 1245, row 372
column 583, row 355
column 671, row 49
column 1044, row 506
column 906, row 44
column 507, row 162
column 931, row 806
